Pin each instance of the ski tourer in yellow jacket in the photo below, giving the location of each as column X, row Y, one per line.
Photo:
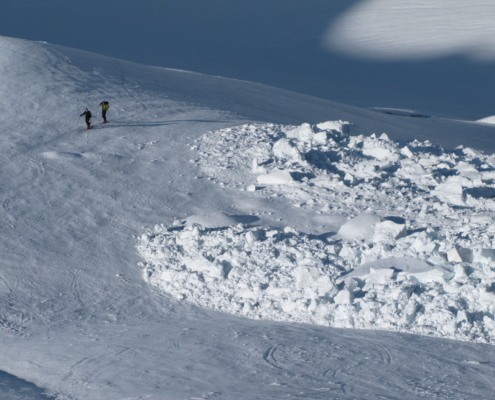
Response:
column 104, row 108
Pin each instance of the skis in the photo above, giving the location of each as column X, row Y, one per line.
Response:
column 98, row 126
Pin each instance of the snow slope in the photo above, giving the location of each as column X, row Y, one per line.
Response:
column 77, row 318
column 426, row 64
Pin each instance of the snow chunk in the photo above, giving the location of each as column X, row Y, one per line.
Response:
column 344, row 297
column 381, row 148
column 406, row 152
column 380, row 153
column 340, row 126
column 450, row 191
column 403, row 268
column 216, row 220
column 309, row 277
column 459, row 254
column 284, row 149
column 304, row 133
column 388, row 231
column 277, row 177
column 257, row 169
column 361, row 227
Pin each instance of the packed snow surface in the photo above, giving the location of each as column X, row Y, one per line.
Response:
column 416, row 255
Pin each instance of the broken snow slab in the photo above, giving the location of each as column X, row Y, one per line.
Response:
column 402, row 268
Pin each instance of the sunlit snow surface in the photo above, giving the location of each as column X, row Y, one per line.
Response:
column 417, row 254
column 416, row 29
column 78, row 319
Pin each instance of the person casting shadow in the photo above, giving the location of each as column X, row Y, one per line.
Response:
column 104, row 108
column 87, row 114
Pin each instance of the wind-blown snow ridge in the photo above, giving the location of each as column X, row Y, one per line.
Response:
column 417, row 254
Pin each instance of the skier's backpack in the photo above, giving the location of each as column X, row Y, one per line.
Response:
column 104, row 104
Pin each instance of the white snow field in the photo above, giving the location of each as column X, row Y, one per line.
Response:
column 217, row 239
column 416, row 29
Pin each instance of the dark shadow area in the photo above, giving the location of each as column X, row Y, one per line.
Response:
column 13, row 388
column 75, row 155
column 400, row 113
column 443, row 172
column 158, row 123
column 299, row 176
column 145, row 124
column 426, row 147
column 397, row 220
column 478, row 163
column 245, row 219
column 175, row 228
column 479, row 192
column 137, row 124
column 267, row 162
column 411, row 231
column 323, row 236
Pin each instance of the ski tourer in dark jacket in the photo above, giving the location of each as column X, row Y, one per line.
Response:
column 87, row 113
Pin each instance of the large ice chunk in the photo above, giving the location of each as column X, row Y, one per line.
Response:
column 339, row 126
column 403, row 268
column 361, row 227
column 213, row 220
column 304, row 133
column 277, row 177
column 388, row 231
column 284, row 149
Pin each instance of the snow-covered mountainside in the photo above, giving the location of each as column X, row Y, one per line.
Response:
column 435, row 56
column 133, row 253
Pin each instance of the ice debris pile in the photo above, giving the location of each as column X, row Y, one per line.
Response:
column 417, row 253
column 285, row 275
column 327, row 167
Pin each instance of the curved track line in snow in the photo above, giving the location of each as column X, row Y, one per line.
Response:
column 8, row 217
column 388, row 358
column 269, row 357
column 31, row 149
column 487, row 380
column 22, row 311
column 74, row 288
